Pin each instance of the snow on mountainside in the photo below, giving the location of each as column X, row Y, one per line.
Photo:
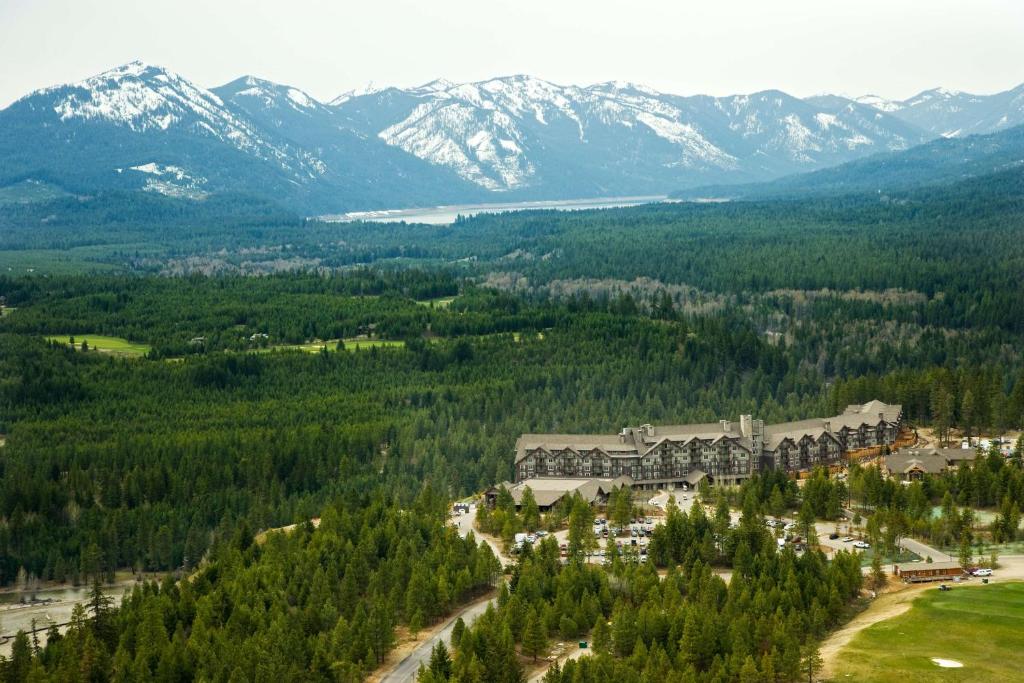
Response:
column 879, row 103
column 941, row 112
column 503, row 133
column 143, row 127
column 142, row 98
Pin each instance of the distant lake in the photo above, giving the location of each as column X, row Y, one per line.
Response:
column 443, row 215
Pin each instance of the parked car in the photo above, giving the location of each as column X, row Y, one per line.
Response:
column 983, row 571
column 847, row 539
column 833, row 536
column 863, row 545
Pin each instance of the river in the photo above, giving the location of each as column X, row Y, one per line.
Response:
column 444, row 215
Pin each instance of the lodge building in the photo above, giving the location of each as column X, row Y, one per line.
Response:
column 725, row 452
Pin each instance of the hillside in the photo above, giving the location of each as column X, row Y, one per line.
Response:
column 940, row 162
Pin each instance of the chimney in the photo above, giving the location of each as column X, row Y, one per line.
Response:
column 726, row 425
column 745, row 425
column 648, row 430
column 828, row 426
column 881, row 417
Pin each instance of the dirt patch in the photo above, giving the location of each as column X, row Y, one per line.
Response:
column 885, row 606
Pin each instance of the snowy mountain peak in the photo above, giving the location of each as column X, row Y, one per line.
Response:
column 498, row 133
column 879, row 103
column 136, row 95
column 436, row 85
column 142, row 124
column 268, row 93
column 368, row 89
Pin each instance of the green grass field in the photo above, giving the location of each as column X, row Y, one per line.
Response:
column 332, row 345
column 440, row 302
column 98, row 342
column 982, row 627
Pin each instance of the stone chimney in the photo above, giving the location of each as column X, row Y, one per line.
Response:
column 746, row 426
column 726, row 425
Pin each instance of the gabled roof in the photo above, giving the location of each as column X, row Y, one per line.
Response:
column 930, row 460
column 890, row 411
column 695, row 477
column 547, row 492
column 743, row 442
column 606, row 443
column 775, row 434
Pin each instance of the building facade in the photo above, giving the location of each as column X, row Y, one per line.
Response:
column 724, row 452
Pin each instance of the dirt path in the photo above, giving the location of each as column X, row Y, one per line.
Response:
column 885, row 606
column 562, row 653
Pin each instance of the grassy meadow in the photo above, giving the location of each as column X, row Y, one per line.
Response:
column 979, row 626
column 98, row 342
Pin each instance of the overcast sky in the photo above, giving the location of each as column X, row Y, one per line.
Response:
column 893, row 48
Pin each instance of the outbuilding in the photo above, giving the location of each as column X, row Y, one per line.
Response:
column 919, row 572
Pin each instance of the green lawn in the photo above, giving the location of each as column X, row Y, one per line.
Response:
column 980, row 626
column 98, row 342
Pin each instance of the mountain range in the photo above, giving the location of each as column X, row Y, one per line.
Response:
column 143, row 127
column 943, row 161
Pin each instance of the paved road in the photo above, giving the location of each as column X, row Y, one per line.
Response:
column 466, row 523
column 405, row 671
column 922, row 550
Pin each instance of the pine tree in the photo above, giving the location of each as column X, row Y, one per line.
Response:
column 811, row 662
column 601, row 636
column 529, row 509
column 534, row 636
column 440, row 662
column 749, row 672
column 877, row 573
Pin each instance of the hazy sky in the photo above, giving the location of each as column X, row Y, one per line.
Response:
column 892, row 48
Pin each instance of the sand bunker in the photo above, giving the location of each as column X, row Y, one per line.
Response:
column 947, row 663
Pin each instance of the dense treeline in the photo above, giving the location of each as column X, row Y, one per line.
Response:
column 169, row 314
column 960, row 247
column 144, row 219
column 308, row 604
column 970, row 398
column 991, row 482
column 113, row 463
column 688, row 626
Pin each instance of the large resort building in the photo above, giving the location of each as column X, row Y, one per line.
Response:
column 726, row 452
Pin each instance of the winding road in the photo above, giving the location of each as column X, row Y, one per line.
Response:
column 405, row 670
